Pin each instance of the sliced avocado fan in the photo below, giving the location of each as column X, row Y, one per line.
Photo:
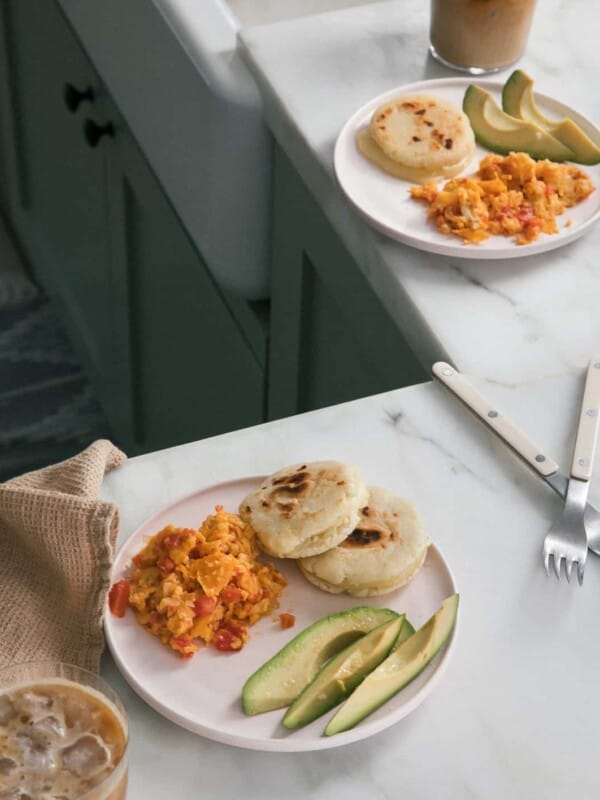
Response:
column 398, row 669
column 502, row 133
column 340, row 676
column 278, row 682
column 518, row 100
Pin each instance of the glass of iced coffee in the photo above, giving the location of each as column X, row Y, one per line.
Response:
column 63, row 735
column 479, row 36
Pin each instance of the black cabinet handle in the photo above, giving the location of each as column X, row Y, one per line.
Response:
column 94, row 132
column 74, row 97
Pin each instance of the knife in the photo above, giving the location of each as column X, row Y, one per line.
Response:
column 533, row 456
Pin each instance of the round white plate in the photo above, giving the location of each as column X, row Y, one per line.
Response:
column 384, row 201
column 202, row 694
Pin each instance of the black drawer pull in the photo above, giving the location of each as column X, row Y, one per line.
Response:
column 74, row 97
column 94, row 132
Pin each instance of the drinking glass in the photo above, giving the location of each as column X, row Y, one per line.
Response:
column 479, row 36
column 54, row 678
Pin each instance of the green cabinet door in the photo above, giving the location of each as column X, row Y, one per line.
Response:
column 332, row 340
column 57, row 200
column 185, row 369
column 171, row 358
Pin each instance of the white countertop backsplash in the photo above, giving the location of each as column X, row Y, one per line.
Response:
column 512, row 321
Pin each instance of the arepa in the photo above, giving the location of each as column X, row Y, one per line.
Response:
column 305, row 509
column 375, row 154
column 384, row 551
column 423, row 132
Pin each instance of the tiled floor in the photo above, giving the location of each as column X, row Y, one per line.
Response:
column 47, row 408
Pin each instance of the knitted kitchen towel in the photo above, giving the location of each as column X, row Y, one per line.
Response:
column 57, row 543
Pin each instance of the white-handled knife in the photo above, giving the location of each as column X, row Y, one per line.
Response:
column 533, row 456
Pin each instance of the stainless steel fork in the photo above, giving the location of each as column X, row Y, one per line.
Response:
column 567, row 538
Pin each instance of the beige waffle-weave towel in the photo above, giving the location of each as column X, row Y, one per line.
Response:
column 57, row 543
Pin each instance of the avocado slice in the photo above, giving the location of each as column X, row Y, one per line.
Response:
column 398, row 669
column 518, row 100
column 505, row 134
column 406, row 632
column 278, row 682
column 337, row 679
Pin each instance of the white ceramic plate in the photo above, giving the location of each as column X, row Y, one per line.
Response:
column 203, row 694
column 385, row 203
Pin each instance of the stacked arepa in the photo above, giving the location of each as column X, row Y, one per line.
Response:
column 418, row 138
column 346, row 537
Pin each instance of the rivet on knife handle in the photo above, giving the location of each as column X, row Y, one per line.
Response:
column 464, row 390
column 587, row 430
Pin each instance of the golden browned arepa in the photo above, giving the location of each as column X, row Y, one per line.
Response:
column 384, row 551
column 423, row 132
column 305, row 509
column 375, row 154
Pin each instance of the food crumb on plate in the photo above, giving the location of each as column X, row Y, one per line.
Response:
column 287, row 621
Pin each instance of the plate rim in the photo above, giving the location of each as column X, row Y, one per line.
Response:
column 288, row 744
column 456, row 249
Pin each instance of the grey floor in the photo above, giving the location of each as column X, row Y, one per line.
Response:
column 48, row 411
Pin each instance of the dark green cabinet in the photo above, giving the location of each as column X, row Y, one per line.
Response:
column 331, row 338
column 59, row 192
column 191, row 371
column 171, row 357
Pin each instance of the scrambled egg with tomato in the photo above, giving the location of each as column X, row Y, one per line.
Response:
column 191, row 586
column 509, row 196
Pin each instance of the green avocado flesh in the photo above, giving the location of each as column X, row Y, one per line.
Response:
column 338, row 678
column 278, row 682
column 505, row 134
column 518, row 100
column 398, row 669
column 406, row 632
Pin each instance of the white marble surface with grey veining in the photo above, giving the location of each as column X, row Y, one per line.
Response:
column 517, row 713
column 512, row 321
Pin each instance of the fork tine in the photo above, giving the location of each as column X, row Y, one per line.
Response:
column 580, row 566
column 569, row 567
column 547, row 561
column 557, row 560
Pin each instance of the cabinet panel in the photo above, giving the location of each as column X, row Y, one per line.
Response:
column 335, row 361
column 191, row 371
column 7, row 137
column 331, row 338
column 58, row 202
column 171, row 360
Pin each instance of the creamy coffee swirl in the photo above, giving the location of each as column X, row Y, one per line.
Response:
column 60, row 741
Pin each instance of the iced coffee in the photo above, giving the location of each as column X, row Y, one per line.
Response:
column 61, row 740
column 479, row 36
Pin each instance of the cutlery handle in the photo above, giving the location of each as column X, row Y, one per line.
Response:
column 464, row 390
column 587, row 430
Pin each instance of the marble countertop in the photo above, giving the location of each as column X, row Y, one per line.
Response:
column 517, row 711
column 513, row 321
